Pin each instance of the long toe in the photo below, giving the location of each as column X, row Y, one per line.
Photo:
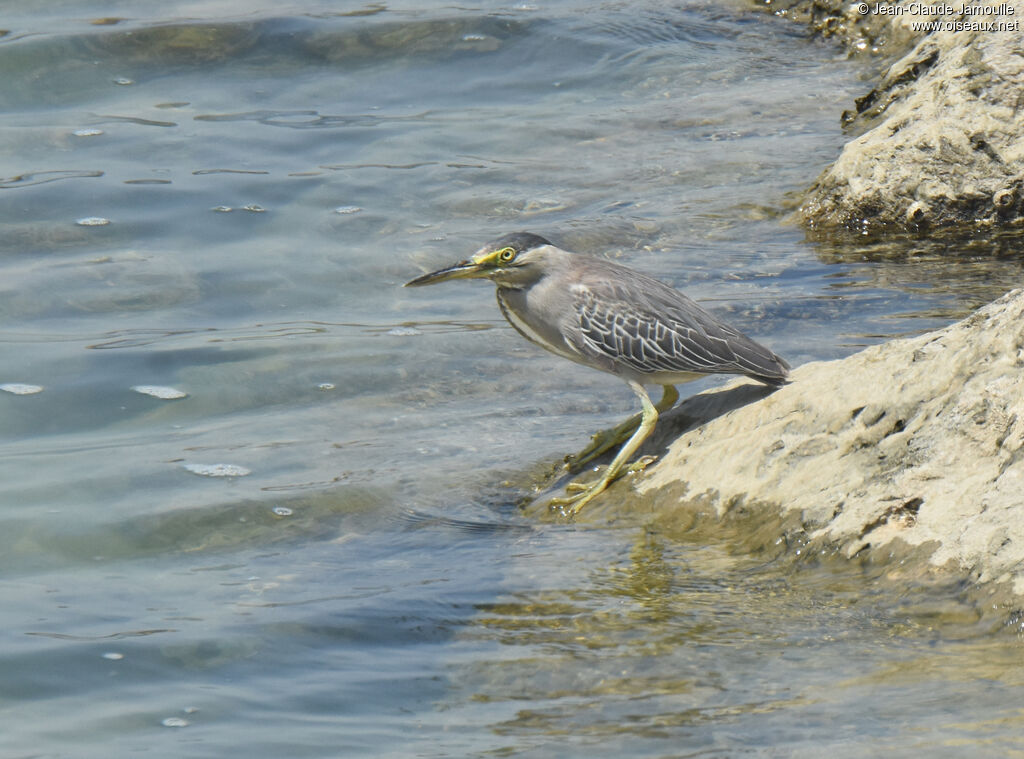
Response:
column 581, row 499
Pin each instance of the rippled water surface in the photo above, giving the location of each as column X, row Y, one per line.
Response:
column 257, row 499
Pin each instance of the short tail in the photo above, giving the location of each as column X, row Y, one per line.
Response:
column 776, row 378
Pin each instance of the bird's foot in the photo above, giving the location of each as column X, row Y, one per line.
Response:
column 570, row 505
column 585, row 492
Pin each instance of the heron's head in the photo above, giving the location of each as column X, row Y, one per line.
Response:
column 515, row 260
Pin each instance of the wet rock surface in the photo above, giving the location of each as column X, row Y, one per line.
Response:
column 861, row 33
column 916, row 442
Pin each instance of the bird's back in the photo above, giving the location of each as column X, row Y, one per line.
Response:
column 636, row 325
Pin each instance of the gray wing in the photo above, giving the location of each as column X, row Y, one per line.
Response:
column 649, row 327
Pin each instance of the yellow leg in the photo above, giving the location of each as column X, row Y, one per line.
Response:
column 605, row 440
column 648, row 418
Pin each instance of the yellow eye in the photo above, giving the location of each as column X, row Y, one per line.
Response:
column 505, row 255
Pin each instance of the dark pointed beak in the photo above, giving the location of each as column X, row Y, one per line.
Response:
column 461, row 270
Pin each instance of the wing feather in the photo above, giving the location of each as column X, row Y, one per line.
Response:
column 648, row 327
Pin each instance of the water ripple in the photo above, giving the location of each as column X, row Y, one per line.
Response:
column 136, row 338
column 418, row 519
column 107, row 119
column 309, row 119
column 110, row 636
column 200, row 172
column 42, row 177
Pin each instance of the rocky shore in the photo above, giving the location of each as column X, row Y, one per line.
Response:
column 913, row 443
column 909, row 453
column 937, row 142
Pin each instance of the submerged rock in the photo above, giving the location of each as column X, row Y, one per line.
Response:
column 918, row 439
column 861, row 33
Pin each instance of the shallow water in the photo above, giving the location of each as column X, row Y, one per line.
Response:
column 364, row 583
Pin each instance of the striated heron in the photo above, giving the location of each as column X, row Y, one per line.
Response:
column 605, row 316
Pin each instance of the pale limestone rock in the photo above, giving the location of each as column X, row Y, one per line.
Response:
column 920, row 439
column 941, row 142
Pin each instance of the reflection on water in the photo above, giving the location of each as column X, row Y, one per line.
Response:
column 253, row 494
column 956, row 274
column 685, row 648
